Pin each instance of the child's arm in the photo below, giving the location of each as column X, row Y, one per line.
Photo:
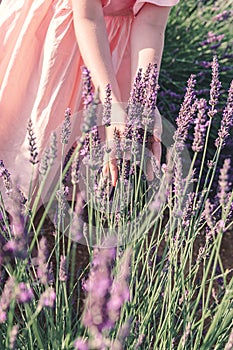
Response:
column 94, row 47
column 147, row 41
column 93, row 44
column 147, row 37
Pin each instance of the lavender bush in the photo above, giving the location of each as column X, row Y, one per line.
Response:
column 196, row 31
column 155, row 277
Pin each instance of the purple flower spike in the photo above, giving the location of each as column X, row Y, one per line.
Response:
column 186, row 113
column 24, row 294
column 76, row 229
column 227, row 119
column 63, row 269
column 6, row 177
column 223, row 182
column 32, row 144
column 41, row 261
column 98, row 285
column 120, row 293
column 47, row 299
column 107, row 107
column 6, row 298
column 214, row 87
column 66, row 127
column 49, row 155
column 87, row 92
column 200, row 126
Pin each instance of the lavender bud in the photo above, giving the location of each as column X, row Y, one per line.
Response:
column 200, row 127
column 32, row 143
column 24, row 294
column 227, row 119
column 41, row 261
column 214, row 87
column 107, row 107
column 223, row 182
column 87, row 93
column 6, row 298
column 5, row 175
column 186, row 112
column 63, row 269
column 66, row 127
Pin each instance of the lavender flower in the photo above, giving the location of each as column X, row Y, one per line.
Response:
column 98, row 286
column 151, row 90
column 211, row 38
column 5, row 175
column 75, row 170
column 223, row 182
column 87, row 93
column 120, row 293
column 76, row 229
column 61, row 203
column 41, row 261
column 186, row 113
column 227, row 119
column 66, row 127
column 17, row 246
column 24, row 294
column 13, row 336
column 214, row 87
column 200, row 126
column 63, row 269
column 117, row 146
column 188, row 210
column 207, row 214
column 47, row 299
column 223, row 16
column 90, row 114
column 96, row 150
column 32, row 144
column 107, row 107
column 52, row 148
column 6, row 298
column 49, row 155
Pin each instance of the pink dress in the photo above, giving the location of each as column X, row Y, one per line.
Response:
column 40, row 73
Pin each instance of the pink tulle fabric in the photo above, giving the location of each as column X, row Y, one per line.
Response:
column 40, row 71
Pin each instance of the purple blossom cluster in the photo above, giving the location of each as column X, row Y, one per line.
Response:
column 47, row 298
column 186, row 113
column 49, row 155
column 32, row 144
column 211, row 38
column 214, row 87
column 66, row 127
column 224, row 185
column 223, row 16
column 21, row 293
column 106, row 295
column 200, row 126
column 227, row 119
column 42, row 261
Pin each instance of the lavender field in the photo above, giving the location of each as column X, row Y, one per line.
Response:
column 145, row 264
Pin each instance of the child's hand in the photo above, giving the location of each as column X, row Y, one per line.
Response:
column 118, row 121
